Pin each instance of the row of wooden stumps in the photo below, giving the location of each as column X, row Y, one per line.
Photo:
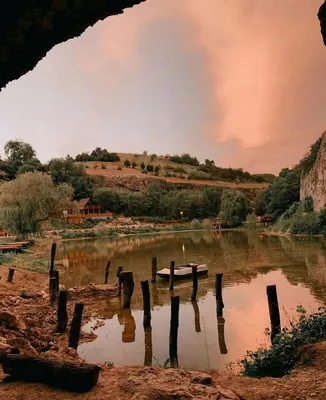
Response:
column 60, row 297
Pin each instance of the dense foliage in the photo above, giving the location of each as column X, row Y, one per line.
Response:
column 185, row 159
column 280, row 195
column 157, row 202
column 98, row 155
column 234, row 207
column 310, row 158
column 31, row 199
column 300, row 219
column 65, row 170
column 282, row 356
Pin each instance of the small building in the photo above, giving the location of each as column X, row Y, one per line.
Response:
column 85, row 208
column 4, row 233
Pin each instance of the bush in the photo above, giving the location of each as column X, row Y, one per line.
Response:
column 196, row 224
column 119, row 168
column 103, row 166
column 201, row 176
column 150, row 168
column 134, row 164
column 157, row 168
column 142, row 166
column 307, row 224
column 127, row 163
column 280, row 359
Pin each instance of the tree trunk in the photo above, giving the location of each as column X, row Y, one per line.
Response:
column 72, row 376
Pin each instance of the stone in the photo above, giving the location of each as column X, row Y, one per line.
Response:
column 201, row 378
column 11, row 321
column 23, row 345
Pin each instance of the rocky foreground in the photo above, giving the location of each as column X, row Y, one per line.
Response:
column 28, row 323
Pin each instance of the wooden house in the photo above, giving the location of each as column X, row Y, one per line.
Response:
column 86, row 208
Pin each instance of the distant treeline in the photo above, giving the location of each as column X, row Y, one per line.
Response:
column 98, row 155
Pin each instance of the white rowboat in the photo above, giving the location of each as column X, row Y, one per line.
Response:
column 183, row 271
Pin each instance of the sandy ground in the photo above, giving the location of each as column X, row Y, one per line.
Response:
column 129, row 383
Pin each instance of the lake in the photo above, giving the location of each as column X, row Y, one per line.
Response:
column 249, row 262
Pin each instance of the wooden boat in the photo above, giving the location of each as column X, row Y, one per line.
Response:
column 183, row 271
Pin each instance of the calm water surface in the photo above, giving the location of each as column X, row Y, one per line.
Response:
column 248, row 261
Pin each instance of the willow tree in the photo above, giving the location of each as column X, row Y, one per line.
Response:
column 31, row 199
column 234, row 207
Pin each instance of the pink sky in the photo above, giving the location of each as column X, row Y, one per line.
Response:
column 238, row 81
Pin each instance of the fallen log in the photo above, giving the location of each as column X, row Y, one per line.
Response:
column 72, row 376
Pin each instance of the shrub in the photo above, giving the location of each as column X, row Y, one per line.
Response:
column 103, row 166
column 157, row 168
column 119, row 168
column 153, row 157
column 150, row 168
column 127, row 163
column 196, row 224
column 307, row 224
column 142, row 166
column 201, row 176
column 280, row 359
column 134, row 164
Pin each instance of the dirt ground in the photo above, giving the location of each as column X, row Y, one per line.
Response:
column 28, row 300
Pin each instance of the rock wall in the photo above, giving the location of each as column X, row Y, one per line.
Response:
column 314, row 183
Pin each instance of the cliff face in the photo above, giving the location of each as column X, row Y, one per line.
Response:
column 29, row 29
column 314, row 183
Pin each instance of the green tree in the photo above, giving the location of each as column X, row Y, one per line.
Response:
column 31, row 199
column 108, row 200
column 150, row 168
column 157, row 168
column 142, row 166
column 134, row 164
column 281, row 194
column 127, row 163
column 64, row 170
column 234, row 207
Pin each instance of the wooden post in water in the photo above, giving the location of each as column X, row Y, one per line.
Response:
column 62, row 312
column 274, row 312
column 172, row 265
column 194, row 283
column 148, row 347
column 127, row 279
column 219, row 298
column 118, row 276
column 53, row 253
column 197, row 316
column 174, row 326
column 107, row 270
column 56, row 275
column 154, row 269
column 146, row 303
column 76, row 325
column 53, row 290
column 11, row 274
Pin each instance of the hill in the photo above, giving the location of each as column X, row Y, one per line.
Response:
column 162, row 168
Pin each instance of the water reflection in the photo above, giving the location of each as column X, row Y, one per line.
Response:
column 249, row 263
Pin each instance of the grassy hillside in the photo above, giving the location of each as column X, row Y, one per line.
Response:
column 168, row 170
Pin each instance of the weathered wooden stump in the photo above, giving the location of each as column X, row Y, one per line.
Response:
column 148, row 347
column 76, row 325
column 219, row 298
column 171, row 285
column 174, row 326
column 274, row 311
column 53, row 253
column 194, row 283
column 53, row 290
column 56, row 274
column 107, row 270
column 62, row 312
column 72, row 376
column 154, row 269
column 146, row 304
column 127, row 279
column 11, row 274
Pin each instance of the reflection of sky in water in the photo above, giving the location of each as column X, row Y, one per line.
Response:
column 249, row 264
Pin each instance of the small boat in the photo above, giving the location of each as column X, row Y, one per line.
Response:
column 183, row 271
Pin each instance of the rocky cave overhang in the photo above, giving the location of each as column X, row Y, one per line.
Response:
column 322, row 19
column 30, row 28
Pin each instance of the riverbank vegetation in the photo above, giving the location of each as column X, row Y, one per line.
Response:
column 281, row 358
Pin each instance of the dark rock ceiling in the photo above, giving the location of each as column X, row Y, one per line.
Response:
column 30, row 28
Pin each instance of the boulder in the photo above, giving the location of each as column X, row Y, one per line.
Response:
column 11, row 321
